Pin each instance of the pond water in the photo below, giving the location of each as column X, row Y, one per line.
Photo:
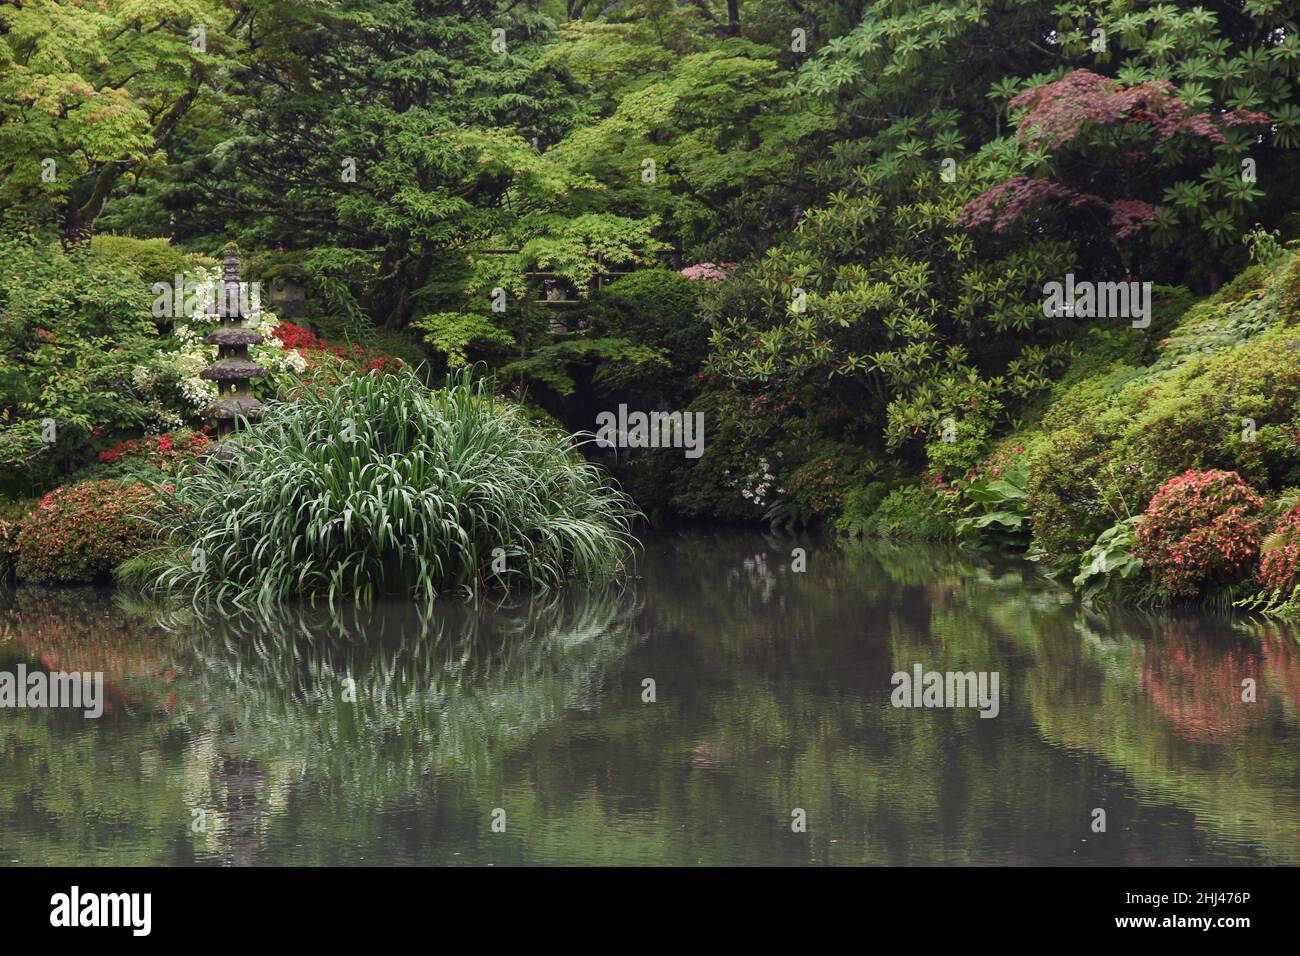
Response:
column 387, row 736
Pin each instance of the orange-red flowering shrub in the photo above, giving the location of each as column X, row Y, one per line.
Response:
column 312, row 347
column 81, row 532
column 1279, row 570
column 1201, row 528
column 159, row 451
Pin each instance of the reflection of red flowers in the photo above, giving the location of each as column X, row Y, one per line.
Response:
column 1282, row 663
column 1197, row 687
column 134, row 659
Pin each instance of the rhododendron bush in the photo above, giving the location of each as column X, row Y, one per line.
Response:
column 1200, row 529
column 708, row 271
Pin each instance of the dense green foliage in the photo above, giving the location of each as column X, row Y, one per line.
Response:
column 1220, row 393
column 829, row 228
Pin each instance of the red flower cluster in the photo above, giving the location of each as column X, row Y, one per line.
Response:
column 160, row 451
column 1201, row 527
column 1280, row 567
column 307, row 342
column 296, row 337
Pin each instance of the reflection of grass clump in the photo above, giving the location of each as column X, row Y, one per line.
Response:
column 384, row 487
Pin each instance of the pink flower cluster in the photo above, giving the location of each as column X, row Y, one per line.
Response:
column 1280, row 569
column 1201, row 527
column 708, row 271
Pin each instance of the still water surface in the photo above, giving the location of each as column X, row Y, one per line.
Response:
column 385, row 737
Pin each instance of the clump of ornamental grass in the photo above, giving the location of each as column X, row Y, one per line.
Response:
column 381, row 486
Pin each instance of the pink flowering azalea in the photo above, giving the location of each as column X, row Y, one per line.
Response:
column 707, row 270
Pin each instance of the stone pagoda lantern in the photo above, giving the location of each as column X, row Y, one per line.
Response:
column 233, row 369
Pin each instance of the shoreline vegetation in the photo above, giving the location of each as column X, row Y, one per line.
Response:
column 1025, row 279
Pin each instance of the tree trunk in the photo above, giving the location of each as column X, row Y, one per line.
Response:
column 79, row 220
column 389, row 302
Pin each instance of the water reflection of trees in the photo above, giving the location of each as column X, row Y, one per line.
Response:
column 371, row 704
column 773, row 687
column 1159, row 696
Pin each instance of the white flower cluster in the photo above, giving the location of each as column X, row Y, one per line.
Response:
column 271, row 353
column 164, row 419
column 762, row 479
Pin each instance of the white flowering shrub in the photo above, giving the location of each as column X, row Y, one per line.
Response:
column 758, row 484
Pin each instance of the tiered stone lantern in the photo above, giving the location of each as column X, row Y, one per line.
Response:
column 233, row 369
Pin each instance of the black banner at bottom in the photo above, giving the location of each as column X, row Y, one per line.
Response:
column 334, row 905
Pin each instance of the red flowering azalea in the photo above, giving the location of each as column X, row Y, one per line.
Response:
column 160, row 451
column 81, row 532
column 296, row 337
column 1279, row 570
column 1201, row 528
column 319, row 352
